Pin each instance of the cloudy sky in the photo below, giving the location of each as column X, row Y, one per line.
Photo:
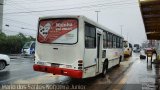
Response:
column 22, row 15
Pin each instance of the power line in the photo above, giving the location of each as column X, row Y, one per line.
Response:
column 88, row 6
column 46, row 1
column 27, row 23
column 15, row 21
column 22, row 2
column 95, row 2
column 72, row 4
column 7, row 30
column 92, row 9
column 102, row 4
column 20, row 27
column 89, row 9
column 22, row 7
column 30, row 24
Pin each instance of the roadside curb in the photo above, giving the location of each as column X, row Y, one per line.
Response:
column 11, row 57
column 14, row 56
column 19, row 57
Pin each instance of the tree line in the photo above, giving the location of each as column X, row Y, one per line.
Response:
column 13, row 44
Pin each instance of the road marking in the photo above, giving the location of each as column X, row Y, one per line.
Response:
column 121, row 83
column 123, row 79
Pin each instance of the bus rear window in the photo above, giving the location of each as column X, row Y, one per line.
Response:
column 58, row 31
column 125, row 44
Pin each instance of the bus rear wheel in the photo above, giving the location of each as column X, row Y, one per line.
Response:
column 120, row 58
column 2, row 65
column 105, row 68
column 131, row 53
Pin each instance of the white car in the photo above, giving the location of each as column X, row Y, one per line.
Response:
column 4, row 61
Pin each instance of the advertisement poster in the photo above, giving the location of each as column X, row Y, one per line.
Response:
column 58, row 31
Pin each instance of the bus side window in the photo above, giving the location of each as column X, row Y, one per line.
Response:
column 104, row 40
column 130, row 45
column 90, row 36
column 111, row 43
column 121, row 43
column 108, row 41
column 114, row 41
column 118, row 42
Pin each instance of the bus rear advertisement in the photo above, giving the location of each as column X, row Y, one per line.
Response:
column 76, row 46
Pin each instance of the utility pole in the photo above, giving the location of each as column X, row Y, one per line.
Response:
column 121, row 26
column 97, row 14
column 127, row 36
column 1, row 15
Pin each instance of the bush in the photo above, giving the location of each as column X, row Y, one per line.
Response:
column 13, row 44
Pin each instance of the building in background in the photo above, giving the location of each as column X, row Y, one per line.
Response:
column 149, row 44
column 1, row 14
column 152, row 43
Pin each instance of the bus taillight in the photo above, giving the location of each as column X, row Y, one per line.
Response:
column 80, row 64
column 80, row 61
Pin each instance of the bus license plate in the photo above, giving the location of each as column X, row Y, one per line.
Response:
column 54, row 65
column 41, row 63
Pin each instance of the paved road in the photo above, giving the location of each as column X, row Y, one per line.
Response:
column 19, row 69
column 132, row 69
column 141, row 76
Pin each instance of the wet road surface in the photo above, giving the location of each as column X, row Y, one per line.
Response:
column 132, row 71
column 19, row 69
column 142, row 76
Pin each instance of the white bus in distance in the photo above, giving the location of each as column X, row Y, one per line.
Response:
column 136, row 48
column 127, row 48
column 76, row 46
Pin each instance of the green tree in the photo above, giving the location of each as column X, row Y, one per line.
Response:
column 13, row 44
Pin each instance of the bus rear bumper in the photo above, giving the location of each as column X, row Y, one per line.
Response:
column 60, row 71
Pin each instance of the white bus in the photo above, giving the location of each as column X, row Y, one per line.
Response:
column 127, row 48
column 76, row 46
column 136, row 48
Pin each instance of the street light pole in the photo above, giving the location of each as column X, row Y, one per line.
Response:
column 127, row 36
column 97, row 14
column 1, row 14
column 121, row 29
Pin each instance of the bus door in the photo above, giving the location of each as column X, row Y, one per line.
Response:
column 99, row 52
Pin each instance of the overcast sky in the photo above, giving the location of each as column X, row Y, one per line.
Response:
column 22, row 15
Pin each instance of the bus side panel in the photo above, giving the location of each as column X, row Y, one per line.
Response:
column 113, row 55
column 90, row 62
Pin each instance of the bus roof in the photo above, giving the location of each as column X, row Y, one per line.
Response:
column 85, row 19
